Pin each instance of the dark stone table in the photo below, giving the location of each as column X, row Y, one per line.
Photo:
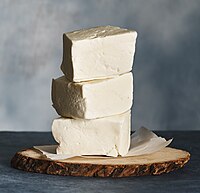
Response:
column 184, row 180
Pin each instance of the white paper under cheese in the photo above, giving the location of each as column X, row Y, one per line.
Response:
column 97, row 53
column 50, row 152
column 141, row 143
column 144, row 141
column 108, row 136
column 93, row 99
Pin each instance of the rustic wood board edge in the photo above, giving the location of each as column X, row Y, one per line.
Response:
column 46, row 166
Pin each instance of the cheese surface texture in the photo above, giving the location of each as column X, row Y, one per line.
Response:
column 93, row 99
column 108, row 136
column 98, row 53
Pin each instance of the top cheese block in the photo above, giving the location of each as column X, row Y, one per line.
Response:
column 97, row 53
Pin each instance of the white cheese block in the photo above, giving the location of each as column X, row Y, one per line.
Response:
column 97, row 53
column 92, row 99
column 105, row 136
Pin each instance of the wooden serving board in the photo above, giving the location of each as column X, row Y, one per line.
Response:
column 163, row 161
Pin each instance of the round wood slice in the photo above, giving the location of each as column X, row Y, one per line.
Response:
column 163, row 161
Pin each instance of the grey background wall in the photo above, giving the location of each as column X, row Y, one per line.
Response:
column 166, row 67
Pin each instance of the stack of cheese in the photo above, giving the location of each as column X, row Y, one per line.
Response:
column 94, row 97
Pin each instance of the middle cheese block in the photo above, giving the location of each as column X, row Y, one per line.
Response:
column 105, row 136
column 92, row 99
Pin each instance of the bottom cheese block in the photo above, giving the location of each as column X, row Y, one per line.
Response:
column 108, row 136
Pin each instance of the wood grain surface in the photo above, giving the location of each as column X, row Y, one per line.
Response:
column 164, row 161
